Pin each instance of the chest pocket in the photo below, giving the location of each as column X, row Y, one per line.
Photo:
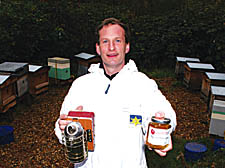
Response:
column 135, row 120
column 133, row 116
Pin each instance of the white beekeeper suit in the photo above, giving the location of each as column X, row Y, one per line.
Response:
column 123, row 108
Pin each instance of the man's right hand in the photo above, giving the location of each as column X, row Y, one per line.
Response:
column 63, row 119
column 63, row 122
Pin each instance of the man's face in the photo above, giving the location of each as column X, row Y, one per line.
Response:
column 112, row 47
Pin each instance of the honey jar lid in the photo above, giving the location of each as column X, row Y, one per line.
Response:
column 161, row 120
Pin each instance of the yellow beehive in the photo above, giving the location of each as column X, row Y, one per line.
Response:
column 59, row 68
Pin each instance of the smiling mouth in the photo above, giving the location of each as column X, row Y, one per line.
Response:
column 112, row 55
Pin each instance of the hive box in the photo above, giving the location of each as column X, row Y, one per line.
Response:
column 211, row 79
column 20, row 71
column 180, row 62
column 81, row 62
column 193, row 74
column 38, row 79
column 7, row 92
column 59, row 68
column 217, row 93
column 217, row 122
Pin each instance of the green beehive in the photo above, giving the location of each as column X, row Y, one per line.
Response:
column 59, row 68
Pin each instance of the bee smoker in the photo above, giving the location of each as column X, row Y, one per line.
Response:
column 79, row 135
column 75, row 140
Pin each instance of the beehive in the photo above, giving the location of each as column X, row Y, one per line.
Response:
column 81, row 62
column 38, row 79
column 211, row 78
column 217, row 122
column 19, row 70
column 217, row 93
column 193, row 74
column 59, row 68
column 180, row 62
column 7, row 92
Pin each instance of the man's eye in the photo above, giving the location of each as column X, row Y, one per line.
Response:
column 118, row 41
column 104, row 41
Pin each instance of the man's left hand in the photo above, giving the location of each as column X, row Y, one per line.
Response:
column 163, row 152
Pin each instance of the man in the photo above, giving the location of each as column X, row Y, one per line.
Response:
column 117, row 93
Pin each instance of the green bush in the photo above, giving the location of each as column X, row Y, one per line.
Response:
column 34, row 30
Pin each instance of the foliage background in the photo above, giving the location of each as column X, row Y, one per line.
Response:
column 34, row 30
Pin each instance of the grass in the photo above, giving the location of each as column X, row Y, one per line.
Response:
column 176, row 157
column 164, row 73
column 160, row 73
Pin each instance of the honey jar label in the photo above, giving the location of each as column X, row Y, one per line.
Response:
column 158, row 136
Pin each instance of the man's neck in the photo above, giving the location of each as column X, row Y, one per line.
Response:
column 111, row 71
column 110, row 76
column 107, row 74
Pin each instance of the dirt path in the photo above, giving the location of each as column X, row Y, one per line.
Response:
column 192, row 116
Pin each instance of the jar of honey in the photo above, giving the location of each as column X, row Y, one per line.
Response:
column 158, row 135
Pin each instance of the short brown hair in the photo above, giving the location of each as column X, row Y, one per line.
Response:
column 113, row 21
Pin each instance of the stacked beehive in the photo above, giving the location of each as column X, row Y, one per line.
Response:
column 211, row 84
column 59, row 68
column 19, row 81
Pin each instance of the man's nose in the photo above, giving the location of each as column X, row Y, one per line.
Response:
column 111, row 46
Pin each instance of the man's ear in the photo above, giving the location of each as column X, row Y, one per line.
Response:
column 127, row 48
column 97, row 49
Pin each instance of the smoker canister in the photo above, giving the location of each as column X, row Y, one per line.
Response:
column 158, row 135
column 76, row 142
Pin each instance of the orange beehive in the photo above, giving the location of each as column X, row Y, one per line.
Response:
column 38, row 79
column 180, row 62
column 193, row 74
column 7, row 92
column 211, row 79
